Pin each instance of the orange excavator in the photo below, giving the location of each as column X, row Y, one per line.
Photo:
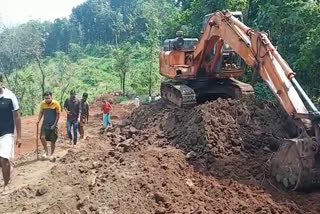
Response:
column 206, row 68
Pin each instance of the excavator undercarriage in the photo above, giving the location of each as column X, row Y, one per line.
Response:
column 179, row 94
column 187, row 94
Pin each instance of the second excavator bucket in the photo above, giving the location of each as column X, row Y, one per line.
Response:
column 295, row 164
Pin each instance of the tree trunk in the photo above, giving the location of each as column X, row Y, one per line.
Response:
column 124, row 84
column 121, row 79
column 150, row 71
column 116, row 37
column 6, row 76
column 42, row 75
column 21, row 98
column 254, row 77
column 16, row 83
column 63, row 92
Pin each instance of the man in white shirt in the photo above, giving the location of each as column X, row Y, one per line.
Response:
column 9, row 119
column 137, row 102
column 158, row 97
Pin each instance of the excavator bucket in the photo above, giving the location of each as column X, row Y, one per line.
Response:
column 295, row 164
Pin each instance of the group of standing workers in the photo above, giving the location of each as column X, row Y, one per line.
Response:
column 50, row 110
column 77, row 116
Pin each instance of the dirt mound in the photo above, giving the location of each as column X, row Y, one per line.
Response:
column 104, row 179
column 220, row 128
column 167, row 160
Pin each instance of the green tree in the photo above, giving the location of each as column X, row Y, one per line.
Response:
column 122, row 56
column 153, row 29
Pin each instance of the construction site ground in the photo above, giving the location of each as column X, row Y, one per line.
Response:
column 160, row 159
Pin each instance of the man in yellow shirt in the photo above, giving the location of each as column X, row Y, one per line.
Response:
column 51, row 110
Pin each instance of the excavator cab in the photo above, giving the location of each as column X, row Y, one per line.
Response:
column 198, row 78
column 173, row 55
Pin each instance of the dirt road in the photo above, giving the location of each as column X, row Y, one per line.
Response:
column 211, row 159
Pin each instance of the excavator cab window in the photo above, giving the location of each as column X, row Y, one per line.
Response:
column 228, row 56
column 187, row 45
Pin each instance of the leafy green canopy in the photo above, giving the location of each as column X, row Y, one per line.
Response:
column 114, row 44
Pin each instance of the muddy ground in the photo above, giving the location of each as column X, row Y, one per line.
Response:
column 161, row 159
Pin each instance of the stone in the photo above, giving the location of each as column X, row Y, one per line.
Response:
column 123, row 123
column 82, row 169
column 278, row 178
column 285, row 182
column 160, row 210
column 160, row 197
column 266, row 149
column 258, row 209
column 122, row 138
column 96, row 165
column 83, row 159
column 133, row 130
column 92, row 208
column 111, row 153
column 92, row 180
column 292, row 179
column 191, row 154
column 42, row 190
column 160, row 135
column 111, row 135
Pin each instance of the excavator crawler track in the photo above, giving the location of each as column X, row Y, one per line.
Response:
column 245, row 91
column 178, row 94
column 185, row 96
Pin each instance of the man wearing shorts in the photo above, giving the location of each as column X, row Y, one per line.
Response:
column 50, row 110
column 9, row 119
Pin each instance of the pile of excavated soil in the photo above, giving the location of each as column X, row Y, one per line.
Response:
column 218, row 129
column 103, row 179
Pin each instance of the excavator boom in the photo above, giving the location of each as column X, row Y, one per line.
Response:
column 257, row 51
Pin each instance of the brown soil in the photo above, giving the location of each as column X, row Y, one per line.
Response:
column 161, row 159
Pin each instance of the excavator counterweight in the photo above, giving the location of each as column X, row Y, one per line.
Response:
column 206, row 68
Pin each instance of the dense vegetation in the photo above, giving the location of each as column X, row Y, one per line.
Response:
column 113, row 44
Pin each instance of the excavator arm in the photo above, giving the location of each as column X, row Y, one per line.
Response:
column 257, row 51
column 296, row 164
